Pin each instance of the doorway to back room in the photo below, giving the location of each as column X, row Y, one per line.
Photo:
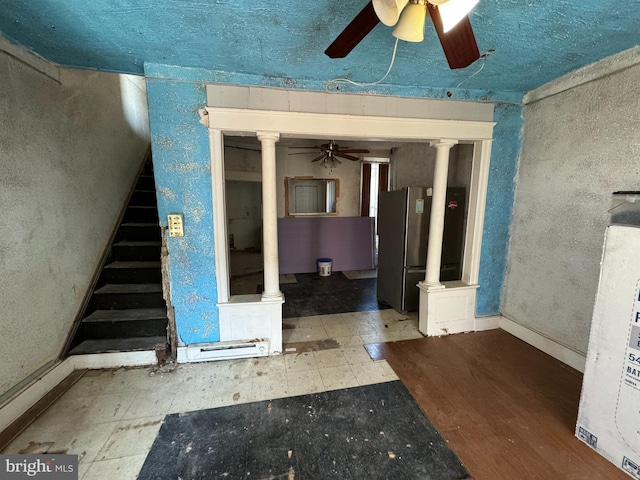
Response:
column 375, row 179
column 243, row 189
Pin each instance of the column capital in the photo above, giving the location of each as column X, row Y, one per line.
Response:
column 443, row 143
column 275, row 136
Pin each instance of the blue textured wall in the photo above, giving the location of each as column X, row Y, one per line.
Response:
column 495, row 236
column 181, row 159
column 183, row 178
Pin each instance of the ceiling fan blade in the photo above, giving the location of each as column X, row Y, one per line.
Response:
column 301, row 153
column 243, row 148
column 297, row 148
column 459, row 43
column 319, row 157
column 348, row 157
column 353, row 34
column 351, row 150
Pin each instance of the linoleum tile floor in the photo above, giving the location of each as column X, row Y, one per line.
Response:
column 110, row 418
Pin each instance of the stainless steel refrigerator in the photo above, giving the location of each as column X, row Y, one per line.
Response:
column 403, row 230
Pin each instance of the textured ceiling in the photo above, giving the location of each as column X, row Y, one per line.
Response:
column 283, row 41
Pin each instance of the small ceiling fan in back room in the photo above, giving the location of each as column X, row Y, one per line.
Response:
column 449, row 19
column 329, row 153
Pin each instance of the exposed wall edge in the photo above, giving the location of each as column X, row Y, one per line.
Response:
column 26, row 399
column 549, row 346
column 607, row 66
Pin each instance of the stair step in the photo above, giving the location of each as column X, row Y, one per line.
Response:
column 130, row 288
column 122, row 296
column 138, row 322
column 141, row 213
column 148, row 168
column 108, row 345
column 139, row 231
column 132, row 272
column 146, row 182
column 133, row 250
column 126, row 315
column 143, row 198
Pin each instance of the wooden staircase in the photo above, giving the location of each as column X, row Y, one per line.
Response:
column 127, row 311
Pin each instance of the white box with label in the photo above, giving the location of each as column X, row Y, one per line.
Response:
column 609, row 415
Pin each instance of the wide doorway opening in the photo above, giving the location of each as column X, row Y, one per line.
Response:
column 240, row 315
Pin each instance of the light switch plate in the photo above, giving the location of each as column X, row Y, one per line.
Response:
column 176, row 228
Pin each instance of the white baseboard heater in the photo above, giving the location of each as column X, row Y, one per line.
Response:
column 204, row 352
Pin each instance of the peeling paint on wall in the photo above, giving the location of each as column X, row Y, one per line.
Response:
column 183, row 177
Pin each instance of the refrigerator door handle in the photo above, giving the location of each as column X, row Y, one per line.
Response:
column 416, row 270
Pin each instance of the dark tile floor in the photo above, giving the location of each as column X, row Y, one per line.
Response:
column 316, row 295
column 374, row 432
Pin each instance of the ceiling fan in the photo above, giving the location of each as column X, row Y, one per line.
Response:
column 458, row 41
column 329, row 153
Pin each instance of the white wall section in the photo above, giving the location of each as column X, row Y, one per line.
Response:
column 578, row 147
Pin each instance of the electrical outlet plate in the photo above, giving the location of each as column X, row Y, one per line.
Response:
column 176, row 228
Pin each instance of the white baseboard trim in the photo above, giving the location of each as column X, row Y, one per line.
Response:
column 558, row 351
column 491, row 322
column 114, row 360
column 26, row 399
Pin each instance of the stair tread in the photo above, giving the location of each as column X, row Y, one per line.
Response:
column 137, row 243
column 129, row 288
column 133, row 264
column 127, row 315
column 117, row 345
column 139, row 224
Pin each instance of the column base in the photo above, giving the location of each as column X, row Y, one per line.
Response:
column 424, row 285
column 446, row 308
column 251, row 316
column 271, row 297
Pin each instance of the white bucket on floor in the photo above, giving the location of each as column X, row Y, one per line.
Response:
column 324, row 267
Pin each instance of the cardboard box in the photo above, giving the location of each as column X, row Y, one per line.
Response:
column 609, row 415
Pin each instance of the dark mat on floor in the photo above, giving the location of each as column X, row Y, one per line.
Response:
column 316, row 295
column 373, row 432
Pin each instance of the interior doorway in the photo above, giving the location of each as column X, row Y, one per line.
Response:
column 375, row 179
column 243, row 203
column 254, row 317
column 244, row 225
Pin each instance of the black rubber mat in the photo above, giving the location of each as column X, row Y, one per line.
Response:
column 373, row 432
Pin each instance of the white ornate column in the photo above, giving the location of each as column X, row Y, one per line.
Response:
column 438, row 208
column 431, row 283
column 269, row 216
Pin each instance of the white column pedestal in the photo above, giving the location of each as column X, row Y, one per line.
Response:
column 448, row 308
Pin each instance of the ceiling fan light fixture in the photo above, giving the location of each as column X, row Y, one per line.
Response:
column 410, row 28
column 388, row 11
column 453, row 11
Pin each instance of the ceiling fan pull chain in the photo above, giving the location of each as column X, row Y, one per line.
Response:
column 358, row 84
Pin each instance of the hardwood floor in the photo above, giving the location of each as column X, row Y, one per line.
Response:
column 508, row 410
